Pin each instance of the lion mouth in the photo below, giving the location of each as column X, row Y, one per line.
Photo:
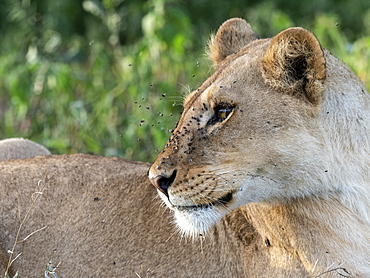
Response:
column 219, row 202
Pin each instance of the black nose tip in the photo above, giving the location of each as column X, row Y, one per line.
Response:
column 162, row 183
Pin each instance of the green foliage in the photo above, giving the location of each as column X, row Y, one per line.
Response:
column 108, row 77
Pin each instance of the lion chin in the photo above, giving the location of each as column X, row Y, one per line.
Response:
column 196, row 220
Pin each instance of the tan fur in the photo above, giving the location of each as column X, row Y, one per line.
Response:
column 271, row 159
column 15, row 148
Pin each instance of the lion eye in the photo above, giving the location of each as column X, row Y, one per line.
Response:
column 221, row 113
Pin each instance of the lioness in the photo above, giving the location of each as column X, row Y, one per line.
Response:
column 279, row 133
column 279, row 136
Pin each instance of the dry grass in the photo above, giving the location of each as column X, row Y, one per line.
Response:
column 41, row 186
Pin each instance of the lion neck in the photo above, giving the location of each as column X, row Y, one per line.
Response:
column 345, row 123
column 314, row 235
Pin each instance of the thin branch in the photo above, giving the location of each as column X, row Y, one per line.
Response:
column 34, row 232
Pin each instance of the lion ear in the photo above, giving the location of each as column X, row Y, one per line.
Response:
column 294, row 63
column 233, row 34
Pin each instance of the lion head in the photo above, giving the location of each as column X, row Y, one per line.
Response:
column 265, row 127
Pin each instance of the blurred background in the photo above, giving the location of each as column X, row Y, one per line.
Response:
column 108, row 77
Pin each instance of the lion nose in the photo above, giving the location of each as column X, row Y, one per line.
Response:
column 163, row 183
